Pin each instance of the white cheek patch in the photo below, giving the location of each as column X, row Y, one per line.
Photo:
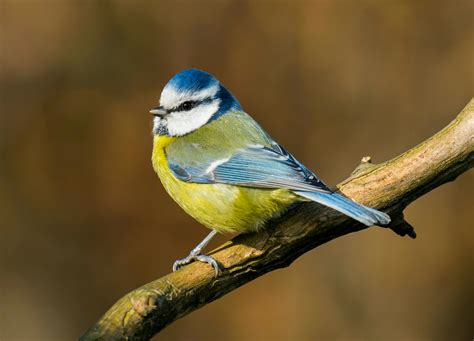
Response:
column 170, row 98
column 184, row 122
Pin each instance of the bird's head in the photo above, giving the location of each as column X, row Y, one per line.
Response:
column 191, row 99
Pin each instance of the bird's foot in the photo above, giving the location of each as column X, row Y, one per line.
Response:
column 202, row 258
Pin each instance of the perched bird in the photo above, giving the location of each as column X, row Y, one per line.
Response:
column 224, row 170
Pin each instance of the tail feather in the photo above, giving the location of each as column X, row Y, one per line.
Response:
column 364, row 214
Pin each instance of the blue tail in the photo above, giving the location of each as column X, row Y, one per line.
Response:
column 364, row 214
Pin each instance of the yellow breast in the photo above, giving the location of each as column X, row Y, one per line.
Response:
column 225, row 208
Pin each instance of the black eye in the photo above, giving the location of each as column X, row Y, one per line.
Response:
column 187, row 105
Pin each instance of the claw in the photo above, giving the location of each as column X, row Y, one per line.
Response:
column 196, row 254
column 211, row 261
column 181, row 262
column 202, row 258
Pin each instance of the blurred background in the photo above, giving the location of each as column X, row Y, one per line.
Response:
column 84, row 219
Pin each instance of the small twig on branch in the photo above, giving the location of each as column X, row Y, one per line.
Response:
column 390, row 186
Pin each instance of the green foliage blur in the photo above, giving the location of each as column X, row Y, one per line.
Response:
column 84, row 219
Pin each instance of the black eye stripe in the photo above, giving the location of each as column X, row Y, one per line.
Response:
column 185, row 106
column 188, row 105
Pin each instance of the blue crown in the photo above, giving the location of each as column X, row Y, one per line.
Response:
column 196, row 80
column 192, row 80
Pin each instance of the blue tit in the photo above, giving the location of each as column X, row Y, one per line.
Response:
column 224, row 170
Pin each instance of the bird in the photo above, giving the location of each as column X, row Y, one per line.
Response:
column 224, row 170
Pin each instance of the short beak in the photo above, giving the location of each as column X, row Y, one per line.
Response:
column 159, row 111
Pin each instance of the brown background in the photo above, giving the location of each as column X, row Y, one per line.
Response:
column 85, row 220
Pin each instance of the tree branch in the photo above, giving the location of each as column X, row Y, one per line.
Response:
column 390, row 186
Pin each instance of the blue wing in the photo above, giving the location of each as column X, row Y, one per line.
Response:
column 254, row 166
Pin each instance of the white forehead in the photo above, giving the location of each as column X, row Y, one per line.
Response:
column 171, row 97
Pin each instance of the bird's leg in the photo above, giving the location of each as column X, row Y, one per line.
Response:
column 196, row 254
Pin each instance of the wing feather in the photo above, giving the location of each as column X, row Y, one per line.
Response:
column 255, row 166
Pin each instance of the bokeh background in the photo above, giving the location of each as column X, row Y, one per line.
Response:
column 84, row 220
